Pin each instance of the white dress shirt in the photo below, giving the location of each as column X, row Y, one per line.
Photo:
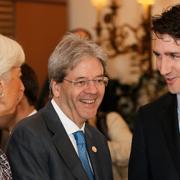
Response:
column 68, row 124
column 178, row 109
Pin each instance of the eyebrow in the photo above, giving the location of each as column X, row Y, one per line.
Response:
column 155, row 52
column 82, row 77
column 167, row 53
column 172, row 53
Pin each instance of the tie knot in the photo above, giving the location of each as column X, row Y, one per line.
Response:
column 79, row 137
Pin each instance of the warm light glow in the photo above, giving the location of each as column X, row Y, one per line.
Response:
column 146, row 5
column 99, row 4
column 146, row 2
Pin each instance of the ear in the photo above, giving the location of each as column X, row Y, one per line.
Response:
column 56, row 88
column 1, row 88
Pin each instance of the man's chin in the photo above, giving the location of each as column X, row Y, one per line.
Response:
column 89, row 116
column 174, row 91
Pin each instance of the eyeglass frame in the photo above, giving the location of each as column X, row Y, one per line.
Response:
column 84, row 83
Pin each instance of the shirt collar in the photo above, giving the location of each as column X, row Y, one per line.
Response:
column 68, row 124
column 33, row 112
column 178, row 109
column 178, row 100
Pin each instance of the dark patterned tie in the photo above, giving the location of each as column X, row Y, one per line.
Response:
column 83, row 154
column 5, row 171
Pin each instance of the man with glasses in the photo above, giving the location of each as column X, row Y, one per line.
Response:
column 56, row 143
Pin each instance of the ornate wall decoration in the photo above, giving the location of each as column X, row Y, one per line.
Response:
column 134, row 82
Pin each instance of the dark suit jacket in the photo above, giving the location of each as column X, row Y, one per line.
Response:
column 155, row 151
column 40, row 149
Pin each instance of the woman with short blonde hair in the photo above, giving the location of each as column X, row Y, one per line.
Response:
column 11, row 89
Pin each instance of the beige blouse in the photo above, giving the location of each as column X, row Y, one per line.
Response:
column 120, row 145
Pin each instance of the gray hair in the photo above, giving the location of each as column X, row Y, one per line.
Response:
column 69, row 52
column 11, row 54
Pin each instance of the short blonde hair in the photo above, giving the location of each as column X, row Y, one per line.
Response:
column 11, row 54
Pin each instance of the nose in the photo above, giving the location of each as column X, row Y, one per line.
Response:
column 91, row 87
column 164, row 66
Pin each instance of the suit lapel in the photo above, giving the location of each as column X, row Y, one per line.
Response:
column 171, row 130
column 67, row 152
column 63, row 143
column 91, row 146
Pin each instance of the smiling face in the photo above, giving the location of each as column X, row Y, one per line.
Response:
column 167, row 53
column 80, row 103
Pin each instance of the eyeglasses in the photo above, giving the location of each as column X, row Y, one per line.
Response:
column 101, row 81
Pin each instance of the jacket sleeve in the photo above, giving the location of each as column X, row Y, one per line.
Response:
column 138, row 164
column 27, row 156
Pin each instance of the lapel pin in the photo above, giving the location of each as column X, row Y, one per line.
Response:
column 94, row 149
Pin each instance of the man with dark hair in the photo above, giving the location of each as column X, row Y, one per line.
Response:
column 155, row 153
